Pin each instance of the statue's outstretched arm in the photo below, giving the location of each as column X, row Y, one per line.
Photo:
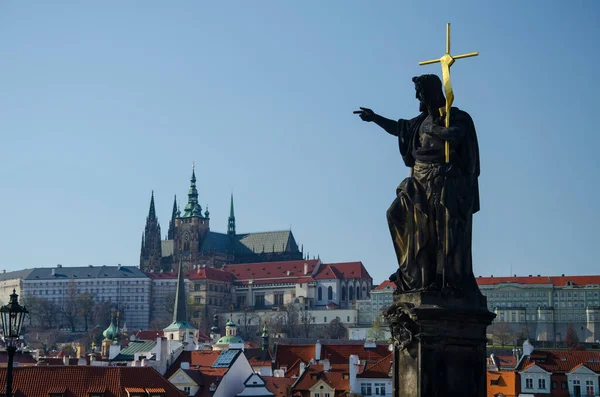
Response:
column 390, row 126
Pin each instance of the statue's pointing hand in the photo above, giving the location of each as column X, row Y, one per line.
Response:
column 365, row 114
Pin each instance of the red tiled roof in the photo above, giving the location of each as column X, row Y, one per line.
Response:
column 328, row 272
column 505, row 361
column 337, row 377
column 557, row 361
column 149, row 335
column 557, row 281
column 387, row 284
column 258, row 357
column 199, row 360
column 287, row 355
column 209, row 273
column 380, row 369
column 351, row 269
column 278, row 385
column 79, row 380
column 272, row 272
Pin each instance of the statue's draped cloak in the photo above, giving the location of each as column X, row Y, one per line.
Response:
column 417, row 216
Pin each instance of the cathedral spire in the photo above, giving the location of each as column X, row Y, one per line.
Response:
column 231, row 221
column 151, row 251
column 192, row 208
column 171, row 233
column 180, row 309
column 152, row 211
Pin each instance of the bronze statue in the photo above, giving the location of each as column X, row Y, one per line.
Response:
column 431, row 218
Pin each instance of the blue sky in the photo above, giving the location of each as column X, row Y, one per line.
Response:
column 101, row 102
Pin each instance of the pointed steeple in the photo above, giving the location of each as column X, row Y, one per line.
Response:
column 171, row 232
column 152, row 212
column 192, row 208
column 180, row 309
column 231, row 221
column 151, row 251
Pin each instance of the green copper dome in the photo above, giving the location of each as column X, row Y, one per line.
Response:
column 228, row 340
column 230, row 324
column 111, row 332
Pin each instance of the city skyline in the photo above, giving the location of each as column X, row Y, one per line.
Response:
column 104, row 103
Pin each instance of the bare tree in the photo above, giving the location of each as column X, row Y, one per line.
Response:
column 69, row 307
column 306, row 319
column 45, row 340
column 47, row 313
column 336, row 330
column 33, row 305
column 501, row 333
column 571, row 338
column 290, row 319
column 86, row 305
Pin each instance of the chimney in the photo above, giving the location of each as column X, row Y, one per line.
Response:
column 326, row 365
column 353, row 374
column 305, row 268
column 302, row 368
column 65, row 360
column 318, row 350
column 59, row 265
column 54, row 272
column 143, row 362
column 119, row 266
column 288, row 272
column 185, row 365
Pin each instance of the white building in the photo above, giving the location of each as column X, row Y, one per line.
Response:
column 10, row 281
column 125, row 287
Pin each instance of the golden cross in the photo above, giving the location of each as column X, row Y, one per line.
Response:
column 446, row 61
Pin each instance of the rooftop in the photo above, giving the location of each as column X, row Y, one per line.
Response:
column 83, row 272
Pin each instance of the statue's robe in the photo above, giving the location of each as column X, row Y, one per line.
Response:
column 435, row 189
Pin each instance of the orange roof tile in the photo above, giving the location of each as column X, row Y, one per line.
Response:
column 78, row 381
column 557, row 361
column 278, row 385
column 380, row 369
column 337, row 377
column 272, row 272
column 387, row 284
column 351, row 269
column 288, row 355
column 209, row 273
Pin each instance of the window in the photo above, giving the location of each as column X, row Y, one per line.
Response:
column 197, row 287
column 529, row 383
column 320, row 294
column 541, row 383
column 343, row 294
column 278, row 299
column 589, row 387
column 380, row 389
column 330, row 293
column 241, row 301
column 554, row 385
column 365, row 389
column 187, row 390
column 197, row 299
column 350, row 293
column 259, row 301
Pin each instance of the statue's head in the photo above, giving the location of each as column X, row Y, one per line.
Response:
column 429, row 92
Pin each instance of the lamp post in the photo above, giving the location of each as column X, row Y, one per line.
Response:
column 12, row 320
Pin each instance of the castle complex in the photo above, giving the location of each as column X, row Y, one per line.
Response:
column 190, row 240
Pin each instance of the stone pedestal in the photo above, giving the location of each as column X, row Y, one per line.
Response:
column 440, row 340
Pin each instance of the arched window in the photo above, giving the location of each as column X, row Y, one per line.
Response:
column 350, row 293
column 343, row 294
column 357, row 292
column 330, row 293
column 320, row 294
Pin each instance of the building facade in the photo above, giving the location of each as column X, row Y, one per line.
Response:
column 544, row 307
column 125, row 288
column 190, row 240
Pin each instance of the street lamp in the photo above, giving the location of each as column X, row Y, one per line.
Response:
column 12, row 320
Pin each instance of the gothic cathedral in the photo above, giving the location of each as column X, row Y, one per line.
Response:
column 191, row 241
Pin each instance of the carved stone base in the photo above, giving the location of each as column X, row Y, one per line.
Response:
column 440, row 340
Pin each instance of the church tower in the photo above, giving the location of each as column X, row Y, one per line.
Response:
column 191, row 229
column 171, row 232
column 231, row 220
column 150, row 255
